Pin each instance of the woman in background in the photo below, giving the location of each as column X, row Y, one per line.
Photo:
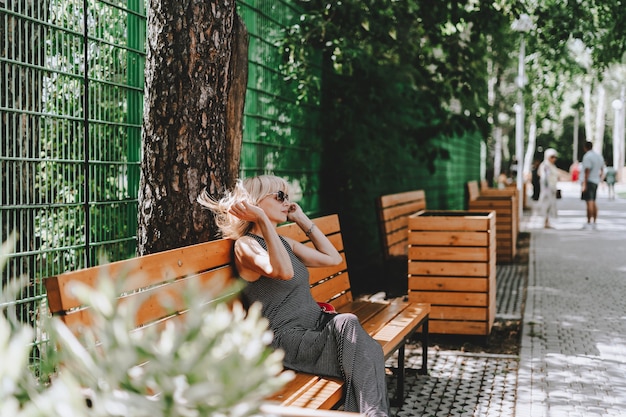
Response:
column 548, row 180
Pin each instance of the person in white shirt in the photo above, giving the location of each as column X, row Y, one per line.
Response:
column 592, row 173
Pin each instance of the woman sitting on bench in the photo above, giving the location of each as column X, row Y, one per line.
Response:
column 275, row 268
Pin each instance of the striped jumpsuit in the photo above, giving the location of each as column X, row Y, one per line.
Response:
column 319, row 343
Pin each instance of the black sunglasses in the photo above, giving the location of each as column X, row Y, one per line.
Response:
column 281, row 196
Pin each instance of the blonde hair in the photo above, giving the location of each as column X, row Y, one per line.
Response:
column 252, row 190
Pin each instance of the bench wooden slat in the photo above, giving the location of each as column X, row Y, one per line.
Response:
column 473, row 190
column 310, row 391
column 331, row 289
column 146, row 271
column 270, row 409
column 403, row 198
column 151, row 301
column 377, row 324
column 397, row 330
column 364, row 310
column 382, row 319
column 320, row 274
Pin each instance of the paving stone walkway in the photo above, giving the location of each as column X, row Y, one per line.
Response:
column 460, row 384
column 572, row 361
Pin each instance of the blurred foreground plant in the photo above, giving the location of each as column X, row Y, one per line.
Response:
column 214, row 360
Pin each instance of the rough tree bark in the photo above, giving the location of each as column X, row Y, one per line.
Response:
column 196, row 76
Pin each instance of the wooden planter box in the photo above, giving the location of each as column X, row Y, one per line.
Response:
column 452, row 266
column 504, row 202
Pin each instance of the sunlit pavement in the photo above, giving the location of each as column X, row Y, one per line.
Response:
column 573, row 357
column 573, row 350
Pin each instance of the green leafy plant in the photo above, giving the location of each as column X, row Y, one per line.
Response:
column 216, row 360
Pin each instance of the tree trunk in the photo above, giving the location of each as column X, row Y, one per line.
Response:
column 532, row 144
column 196, row 76
column 587, row 111
column 598, row 143
column 497, row 157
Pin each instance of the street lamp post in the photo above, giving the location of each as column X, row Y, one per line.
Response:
column 522, row 25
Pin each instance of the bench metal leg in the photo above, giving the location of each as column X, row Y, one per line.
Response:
column 424, row 370
column 399, row 398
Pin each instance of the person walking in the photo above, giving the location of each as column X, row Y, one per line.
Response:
column 592, row 167
column 548, row 180
column 535, row 180
column 275, row 270
column 609, row 177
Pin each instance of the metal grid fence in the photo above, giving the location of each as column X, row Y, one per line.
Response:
column 71, row 96
column 71, row 108
column 280, row 133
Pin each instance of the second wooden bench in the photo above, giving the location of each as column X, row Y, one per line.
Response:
column 393, row 213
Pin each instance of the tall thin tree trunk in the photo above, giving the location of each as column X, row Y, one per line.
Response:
column 497, row 157
column 587, row 111
column 532, row 143
column 196, row 76
column 575, row 144
column 598, row 143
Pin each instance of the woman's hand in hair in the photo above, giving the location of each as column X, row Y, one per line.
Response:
column 247, row 212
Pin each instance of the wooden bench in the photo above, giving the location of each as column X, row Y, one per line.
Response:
column 210, row 267
column 504, row 201
column 393, row 217
column 393, row 213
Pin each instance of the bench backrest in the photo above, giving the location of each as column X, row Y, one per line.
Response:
column 329, row 284
column 393, row 214
column 208, row 266
column 473, row 190
column 148, row 279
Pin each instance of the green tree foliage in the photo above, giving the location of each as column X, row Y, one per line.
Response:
column 419, row 58
column 569, row 41
column 398, row 79
column 397, row 76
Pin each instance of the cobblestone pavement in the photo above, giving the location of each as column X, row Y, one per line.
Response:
column 460, row 384
column 573, row 357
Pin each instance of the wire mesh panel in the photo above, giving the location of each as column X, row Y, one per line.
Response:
column 280, row 135
column 71, row 108
column 71, row 94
